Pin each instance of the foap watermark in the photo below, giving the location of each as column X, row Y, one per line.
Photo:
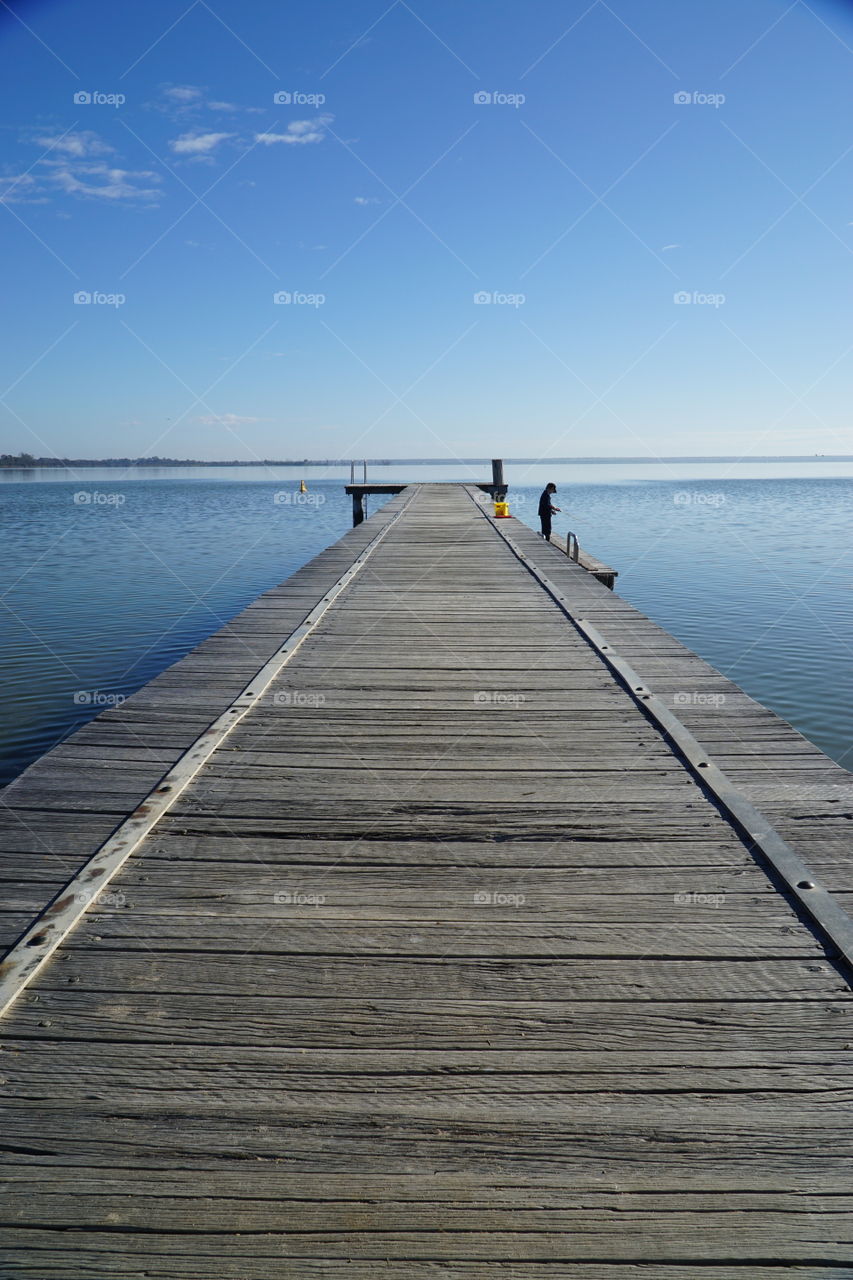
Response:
column 104, row 898
column 695, row 698
column 496, row 98
column 699, row 899
column 94, row 498
column 94, row 98
column 295, row 98
column 96, row 698
column 494, row 298
column 496, row 898
column 694, row 298
column 698, row 498
column 298, row 698
column 291, row 498
column 287, row 298
column 298, row 898
column 95, row 298
column 497, row 698
column 486, row 501
column 683, row 98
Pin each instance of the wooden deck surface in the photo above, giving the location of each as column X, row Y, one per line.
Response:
column 444, row 965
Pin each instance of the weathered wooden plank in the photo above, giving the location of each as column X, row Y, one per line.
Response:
column 248, row 842
column 95, row 1259
column 359, row 1145
column 346, row 880
column 270, row 785
column 531, row 1188
column 625, row 1113
column 336, row 936
column 654, row 1227
column 53, row 1069
column 286, row 977
column 635, row 911
column 335, row 751
column 453, row 820
column 123, row 1257
column 601, row 1026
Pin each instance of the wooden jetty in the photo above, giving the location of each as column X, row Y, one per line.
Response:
column 439, row 918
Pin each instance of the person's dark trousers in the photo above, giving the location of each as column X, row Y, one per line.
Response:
column 546, row 528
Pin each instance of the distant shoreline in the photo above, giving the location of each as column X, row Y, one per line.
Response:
column 24, row 462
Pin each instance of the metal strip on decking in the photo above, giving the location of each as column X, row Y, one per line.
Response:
column 35, row 947
column 818, row 903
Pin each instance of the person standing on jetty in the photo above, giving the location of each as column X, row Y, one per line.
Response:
column 546, row 510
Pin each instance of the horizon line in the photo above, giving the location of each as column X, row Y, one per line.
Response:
column 14, row 462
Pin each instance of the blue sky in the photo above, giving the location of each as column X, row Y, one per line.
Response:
column 580, row 166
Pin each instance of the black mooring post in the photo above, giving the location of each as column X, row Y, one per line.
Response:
column 357, row 509
column 498, row 484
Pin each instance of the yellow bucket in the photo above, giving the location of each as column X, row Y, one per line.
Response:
column 502, row 509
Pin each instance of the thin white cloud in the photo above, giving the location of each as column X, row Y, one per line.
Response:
column 666, row 248
column 182, row 102
column 367, row 200
column 72, row 165
column 20, row 188
column 183, row 93
column 298, row 132
column 102, row 182
column 85, row 143
column 197, row 144
column 234, row 107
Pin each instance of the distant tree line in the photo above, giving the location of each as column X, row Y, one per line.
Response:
column 27, row 460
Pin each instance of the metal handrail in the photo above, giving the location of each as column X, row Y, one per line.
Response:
column 572, row 548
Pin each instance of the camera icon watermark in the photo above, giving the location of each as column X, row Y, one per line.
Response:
column 483, row 98
column 296, row 898
column 289, row 498
column 494, row 298
column 94, row 498
column 294, row 98
column 85, row 298
column 698, row 498
column 696, row 698
column 298, row 698
column 95, row 698
column 486, row 501
column 497, row 698
column 714, row 900
column 286, row 298
column 686, row 298
column 104, row 898
column 491, row 898
column 85, row 98
column 698, row 99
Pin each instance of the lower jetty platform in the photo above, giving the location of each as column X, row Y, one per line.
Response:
column 439, row 918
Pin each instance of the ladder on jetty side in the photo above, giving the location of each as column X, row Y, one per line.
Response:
column 440, row 916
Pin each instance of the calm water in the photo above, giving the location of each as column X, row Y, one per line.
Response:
column 748, row 565
column 754, row 575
